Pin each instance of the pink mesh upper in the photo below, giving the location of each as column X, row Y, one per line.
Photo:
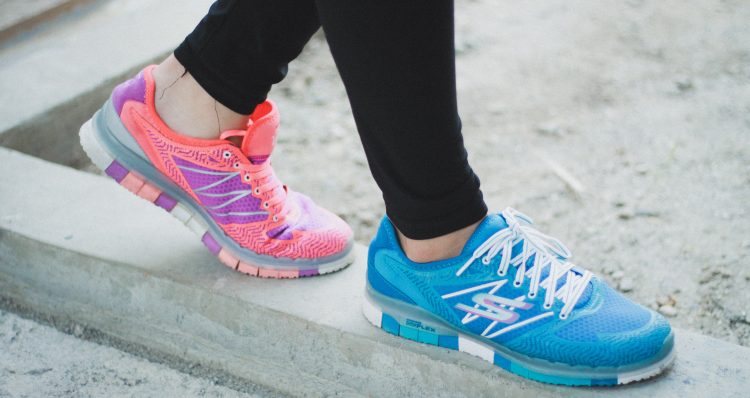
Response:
column 203, row 169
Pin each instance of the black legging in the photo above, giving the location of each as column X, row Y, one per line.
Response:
column 397, row 61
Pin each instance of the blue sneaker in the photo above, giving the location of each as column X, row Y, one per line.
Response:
column 531, row 312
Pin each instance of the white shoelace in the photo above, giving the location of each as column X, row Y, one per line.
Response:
column 547, row 251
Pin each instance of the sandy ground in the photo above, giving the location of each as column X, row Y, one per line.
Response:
column 622, row 128
column 39, row 361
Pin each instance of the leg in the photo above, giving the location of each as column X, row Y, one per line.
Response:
column 234, row 55
column 508, row 293
column 397, row 61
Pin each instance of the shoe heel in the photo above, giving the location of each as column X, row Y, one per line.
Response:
column 93, row 148
column 131, row 181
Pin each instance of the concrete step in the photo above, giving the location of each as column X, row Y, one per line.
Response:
column 75, row 246
column 19, row 16
column 57, row 78
column 40, row 361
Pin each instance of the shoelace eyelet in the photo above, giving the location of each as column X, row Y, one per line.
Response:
column 275, row 218
column 227, row 154
column 236, row 165
column 563, row 316
column 549, row 253
column 247, row 177
column 485, row 261
column 517, row 284
column 265, row 205
column 256, row 191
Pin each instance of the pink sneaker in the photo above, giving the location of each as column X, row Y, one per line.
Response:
column 228, row 194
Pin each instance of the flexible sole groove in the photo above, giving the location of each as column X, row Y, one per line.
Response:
column 150, row 192
column 468, row 345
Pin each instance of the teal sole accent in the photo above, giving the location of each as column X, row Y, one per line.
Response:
column 391, row 325
column 428, row 338
column 448, row 342
column 501, row 361
column 408, row 333
column 603, row 382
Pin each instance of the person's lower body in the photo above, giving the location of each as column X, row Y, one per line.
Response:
column 398, row 65
column 440, row 270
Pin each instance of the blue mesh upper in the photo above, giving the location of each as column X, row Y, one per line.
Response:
column 604, row 329
column 616, row 315
column 610, row 331
column 383, row 286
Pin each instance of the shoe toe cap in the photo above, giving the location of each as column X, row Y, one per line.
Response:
column 609, row 331
column 319, row 231
column 615, row 331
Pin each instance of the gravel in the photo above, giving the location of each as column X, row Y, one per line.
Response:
column 39, row 361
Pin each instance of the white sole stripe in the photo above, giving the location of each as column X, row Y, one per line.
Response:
column 374, row 315
column 470, row 347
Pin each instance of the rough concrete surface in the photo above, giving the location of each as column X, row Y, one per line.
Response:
column 82, row 51
column 17, row 16
column 137, row 275
column 39, row 361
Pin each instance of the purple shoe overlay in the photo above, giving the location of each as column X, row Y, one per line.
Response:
column 211, row 243
column 166, row 202
column 116, row 171
column 222, row 194
column 308, row 272
column 133, row 89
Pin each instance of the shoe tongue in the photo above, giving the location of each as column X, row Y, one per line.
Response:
column 260, row 138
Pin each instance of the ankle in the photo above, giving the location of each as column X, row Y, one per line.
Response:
column 435, row 249
column 187, row 108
